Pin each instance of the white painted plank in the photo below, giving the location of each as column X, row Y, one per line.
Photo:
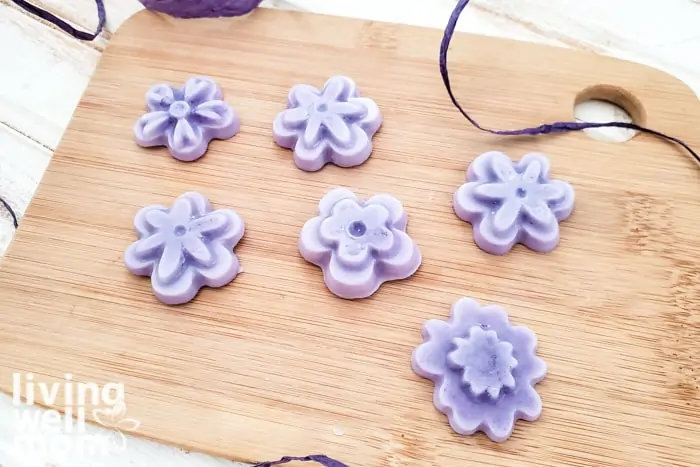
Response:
column 22, row 163
column 44, row 74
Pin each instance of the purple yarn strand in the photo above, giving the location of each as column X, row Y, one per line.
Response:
column 557, row 127
column 59, row 23
column 325, row 461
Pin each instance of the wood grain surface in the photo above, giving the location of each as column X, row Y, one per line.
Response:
column 273, row 364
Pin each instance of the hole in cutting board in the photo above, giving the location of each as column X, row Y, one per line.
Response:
column 604, row 103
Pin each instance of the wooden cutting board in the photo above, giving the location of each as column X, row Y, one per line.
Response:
column 273, row 364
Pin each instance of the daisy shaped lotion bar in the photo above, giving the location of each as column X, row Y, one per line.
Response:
column 185, row 247
column 513, row 202
column 186, row 120
column 334, row 125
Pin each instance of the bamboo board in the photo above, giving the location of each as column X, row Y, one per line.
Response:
column 273, row 364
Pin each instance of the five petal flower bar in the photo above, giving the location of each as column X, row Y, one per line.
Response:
column 484, row 369
column 508, row 203
column 185, row 248
column 359, row 245
column 334, row 125
column 186, row 120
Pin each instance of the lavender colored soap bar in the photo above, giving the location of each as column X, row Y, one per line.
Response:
column 359, row 245
column 186, row 120
column 185, row 247
column 483, row 368
column 334, row 125
column 513, row 202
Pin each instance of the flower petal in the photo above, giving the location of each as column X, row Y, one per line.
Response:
column 303, row 95
column 149, row 245
column 338, row 88
column 137, row 264
column 530, row 406
column 397, row 215
column 185, row 135
column 325, row 206
column 141, row 223
column 502, row 167
column 540, row 238
column 209, row 224
column 493, row 191
column 332, row 229
column 181, row 289
column 375, row 216
column 499, row 425
column 494, row 241
column 310, row 158
column 549, row 191
column 347, row 207
column 313, row 134
column 171, row 262
column 285, row 136
column 160, row 96
column 381, row 239
column 562, row 207
column 214, row 114
column 507, row 215
column 225, row 266
column 428, row 359
column 311, row 246
column 467, row 205
column 541, row 162
column 338, row 130
column 352, row 253
column 156, row 219
column 198, row 203
column 358, row 282
column 182, row 210
column 372, row 117
column 197, row 250
column 355, row 153
column 199, row 90
column 539, row 213
column 295, row 117
column 403, row 259
column 350, row 110
column 152, row 127
column 532, row 171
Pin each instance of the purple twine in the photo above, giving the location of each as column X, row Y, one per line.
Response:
column 325, row 461
column 59, row 23
column 557, row 127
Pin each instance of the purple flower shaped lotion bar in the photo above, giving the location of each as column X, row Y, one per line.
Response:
column 509, row 203
column 334, row 125
column 359, row 245
column 186, row 120
column 185, row 248
column 483, row 368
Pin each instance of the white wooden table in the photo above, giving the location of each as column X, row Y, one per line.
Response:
column 44, row 72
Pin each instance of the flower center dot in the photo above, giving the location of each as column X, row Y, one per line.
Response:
column 521, row 192
column 179, row 109
column 180, row 230
column 322, row 107
column 357, row 229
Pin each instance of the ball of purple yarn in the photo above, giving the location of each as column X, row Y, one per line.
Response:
column 201, row 8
